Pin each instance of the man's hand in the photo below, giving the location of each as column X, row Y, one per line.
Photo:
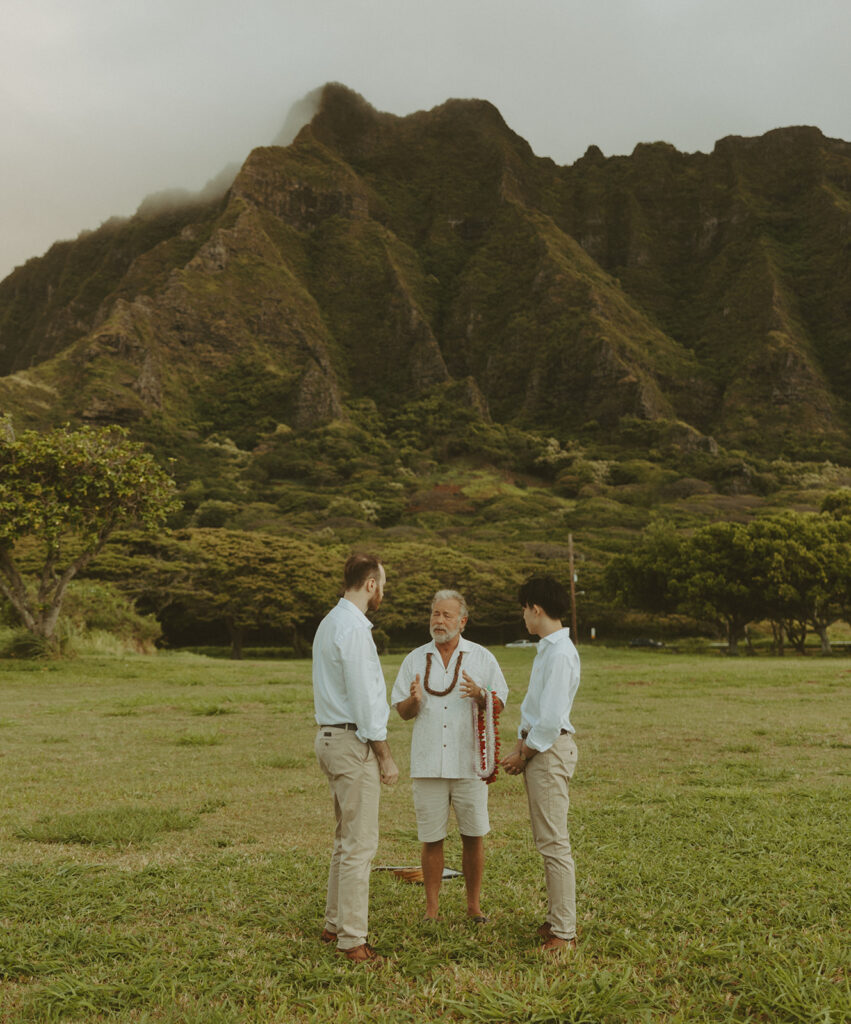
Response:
column 410, row 706
column 389, row 771
column 470, row 688
column 514, row 763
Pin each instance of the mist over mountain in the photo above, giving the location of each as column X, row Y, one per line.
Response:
column 380, row 257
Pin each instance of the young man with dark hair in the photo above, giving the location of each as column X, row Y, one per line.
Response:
column 350, row 699
column 545, row 753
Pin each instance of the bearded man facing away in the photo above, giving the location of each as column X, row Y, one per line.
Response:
column 350, row 700
column 441, row 685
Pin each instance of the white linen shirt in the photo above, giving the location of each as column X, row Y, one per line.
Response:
column 443, row 741
column 348, row 683
column 545, row 710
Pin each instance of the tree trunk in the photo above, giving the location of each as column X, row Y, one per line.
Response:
column 821, row 630
column 40, row 612
column 795, row 635
column 732, row 639
column 301, row 649
column 236, row 633
column 779, row 638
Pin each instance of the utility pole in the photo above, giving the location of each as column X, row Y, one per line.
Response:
column 573, row 635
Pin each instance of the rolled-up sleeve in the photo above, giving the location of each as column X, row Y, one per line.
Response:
column 402, row 687
column 494, row 679
column 364, row 682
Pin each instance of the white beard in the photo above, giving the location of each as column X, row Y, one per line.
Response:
column 442, row 636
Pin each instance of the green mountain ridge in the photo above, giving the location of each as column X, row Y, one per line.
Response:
column 380, row 256
column 413, row 334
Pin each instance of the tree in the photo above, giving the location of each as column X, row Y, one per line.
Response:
column 645, row 576
column 716, row 579
column 416, row 570
column 804, row 567
column 64, row 492
column 837, row 504
column 251, row 580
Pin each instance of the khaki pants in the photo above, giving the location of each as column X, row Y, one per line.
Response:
column 352, row 771
column 547, row 777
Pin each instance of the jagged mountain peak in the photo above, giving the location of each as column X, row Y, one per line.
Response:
column 380, row 257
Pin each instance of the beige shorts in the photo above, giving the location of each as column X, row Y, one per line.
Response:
column 433, row 798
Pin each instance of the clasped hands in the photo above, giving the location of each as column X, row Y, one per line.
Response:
column 515, row 762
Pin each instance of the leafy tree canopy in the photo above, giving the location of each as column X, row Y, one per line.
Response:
column 67, row 491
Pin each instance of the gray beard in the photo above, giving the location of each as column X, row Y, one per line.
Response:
column 446, row 638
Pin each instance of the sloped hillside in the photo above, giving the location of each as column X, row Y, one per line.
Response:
column 380, row 257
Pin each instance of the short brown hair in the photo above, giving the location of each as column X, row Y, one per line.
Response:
column 359, row 568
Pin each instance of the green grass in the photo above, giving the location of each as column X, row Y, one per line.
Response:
column 118, row 826
column 150, row 872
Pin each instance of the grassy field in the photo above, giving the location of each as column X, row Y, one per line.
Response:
column 164, row 834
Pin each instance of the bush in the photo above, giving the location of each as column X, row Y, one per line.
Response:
column 92, row 608
column 215, row 513
column 20, row 643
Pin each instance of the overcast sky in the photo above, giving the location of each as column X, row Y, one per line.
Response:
column 103, row 102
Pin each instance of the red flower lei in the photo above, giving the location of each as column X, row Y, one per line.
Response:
column 486, row 728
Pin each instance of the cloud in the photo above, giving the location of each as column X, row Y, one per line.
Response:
column 106, row 101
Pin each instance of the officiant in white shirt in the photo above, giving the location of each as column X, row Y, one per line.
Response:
column 453, row 689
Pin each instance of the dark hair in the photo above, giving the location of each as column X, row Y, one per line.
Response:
column 359, row 568
column 547, row 593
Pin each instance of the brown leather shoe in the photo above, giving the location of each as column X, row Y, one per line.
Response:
column 555, row 943
column 545, row 930
column 327, row 936
column 364, row 954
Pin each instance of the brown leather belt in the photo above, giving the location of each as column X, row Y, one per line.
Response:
column 343, row 725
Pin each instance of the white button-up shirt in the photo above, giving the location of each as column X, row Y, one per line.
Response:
column 443, row 741
column 545, row 710
column 348, row 683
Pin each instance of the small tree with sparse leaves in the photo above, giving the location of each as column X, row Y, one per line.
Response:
column 63, row 493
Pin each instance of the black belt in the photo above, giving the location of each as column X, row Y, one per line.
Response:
column 342, row 725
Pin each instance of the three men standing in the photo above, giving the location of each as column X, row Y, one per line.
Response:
column 444, row 686
column 350, row 701
column 453, row 689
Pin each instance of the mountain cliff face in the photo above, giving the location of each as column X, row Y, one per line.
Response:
column 384, row 258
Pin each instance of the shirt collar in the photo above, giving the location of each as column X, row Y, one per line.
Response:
column 553, row 638
column 344, row 604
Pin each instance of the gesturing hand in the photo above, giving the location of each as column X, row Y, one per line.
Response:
column 470, row 688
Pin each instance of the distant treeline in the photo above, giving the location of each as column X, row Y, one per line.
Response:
column 791, row 569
